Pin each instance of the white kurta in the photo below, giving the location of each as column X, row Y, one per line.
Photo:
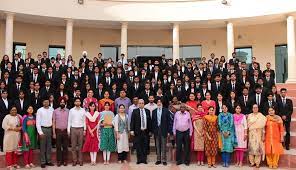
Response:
column 11, row 138
column 122, row 143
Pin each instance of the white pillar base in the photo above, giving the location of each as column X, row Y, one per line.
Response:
column 291, row 81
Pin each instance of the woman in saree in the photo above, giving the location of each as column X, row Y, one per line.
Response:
column 225, row 122
column 210, row 129
column 29, row 137
column 256, row 124
column 106, row 98
column 241, row 128
column 90, row 99
column 206, row 104
column 274, row 137
column 198, row 134
column 107, row 141
column 12, row 127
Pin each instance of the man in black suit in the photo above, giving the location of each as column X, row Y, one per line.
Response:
column 217, row 86
column 146, row 92
column 17, row 62
column 285, row 109
column 15, row 88
column 46, row 90
column 269, row 103
column 140, row 128
column 84, row 59
column 180, row 91
column 21, row 103
column 5, row 106
column 268, row 68
column 161, row 123
column 259, row 97
column 233, row 85
column 246, row 101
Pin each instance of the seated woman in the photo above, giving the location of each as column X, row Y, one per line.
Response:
column 90, row 99
column 274, row 136
column 206, row 104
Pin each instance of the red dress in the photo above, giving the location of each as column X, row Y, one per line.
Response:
column 91, row 143
column 205, row 105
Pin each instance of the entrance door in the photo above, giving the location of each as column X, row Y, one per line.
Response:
column 281, row 63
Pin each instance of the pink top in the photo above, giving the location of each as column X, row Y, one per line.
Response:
column 205, row 105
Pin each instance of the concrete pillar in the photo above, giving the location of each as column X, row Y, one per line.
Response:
column 176, row 44
column 123, row 44
column 291, row 50
column 69, row 38
column 230, row 40
column 9, row 35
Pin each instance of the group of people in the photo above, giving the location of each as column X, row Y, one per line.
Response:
column 215, row 106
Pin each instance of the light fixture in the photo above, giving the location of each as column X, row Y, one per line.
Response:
column 80, row 2
column 225, row 2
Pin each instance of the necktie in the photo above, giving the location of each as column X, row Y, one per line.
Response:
column 270, row 104
column 18, row 87
column 218, row 86
column 258, row 99
column 245, row 100
column 284, row 102
column 233, row 86
column 142, row 120
column 159, row 116
column 49, row 76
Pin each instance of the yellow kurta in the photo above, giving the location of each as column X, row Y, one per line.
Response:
column 11, row 138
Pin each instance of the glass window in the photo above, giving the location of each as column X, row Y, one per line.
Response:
column 20, row 48
column 189, row 52
column 244, row 54
column 110, row 52
column 53, row 50
column 149, row 51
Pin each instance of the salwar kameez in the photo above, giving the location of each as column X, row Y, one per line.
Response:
column 211, row 138
column 274, row 135
column 29, row 138
column 226, row 127
column 240, row 125
column 121, row 128
column 11, row 138
column 256, row 125
column 198, row 141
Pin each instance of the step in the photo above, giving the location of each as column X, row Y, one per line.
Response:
column 287, row 160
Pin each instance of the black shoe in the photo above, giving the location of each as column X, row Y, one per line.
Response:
column 164, row 163
column 157, row 162
column 287, row 147
column 43, row 165
column 145, row 162
column 59, row 164
column 179, row 163
column 138, row 162
column 187, row 164
column 49, row 164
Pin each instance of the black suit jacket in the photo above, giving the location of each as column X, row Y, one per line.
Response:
column 266, row 106
column 165, row 122
column 286, row 110
column 246, row 109
column 136, row 121
column 20, row 110
column 4, row 110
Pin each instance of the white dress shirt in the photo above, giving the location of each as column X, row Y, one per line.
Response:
column 43, row 118
column 76, row 118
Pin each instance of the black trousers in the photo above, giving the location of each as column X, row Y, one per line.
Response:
column 287, row 137
column 62, row 144
column 122, row 156
column 183, row 140
column 141, row 141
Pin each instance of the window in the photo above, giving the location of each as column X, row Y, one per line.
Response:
column 244, row 54
column 53, row 50
column 190, row 52
column 109, row 51
column 20, row 48
column 149, row 51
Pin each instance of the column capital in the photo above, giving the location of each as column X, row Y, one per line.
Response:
column 69, row 21
column 9, row 14
column 124, row 24
column 290, row 17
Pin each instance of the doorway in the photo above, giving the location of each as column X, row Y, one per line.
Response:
column 281, row 63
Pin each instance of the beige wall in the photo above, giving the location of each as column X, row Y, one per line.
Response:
column 262, row 38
